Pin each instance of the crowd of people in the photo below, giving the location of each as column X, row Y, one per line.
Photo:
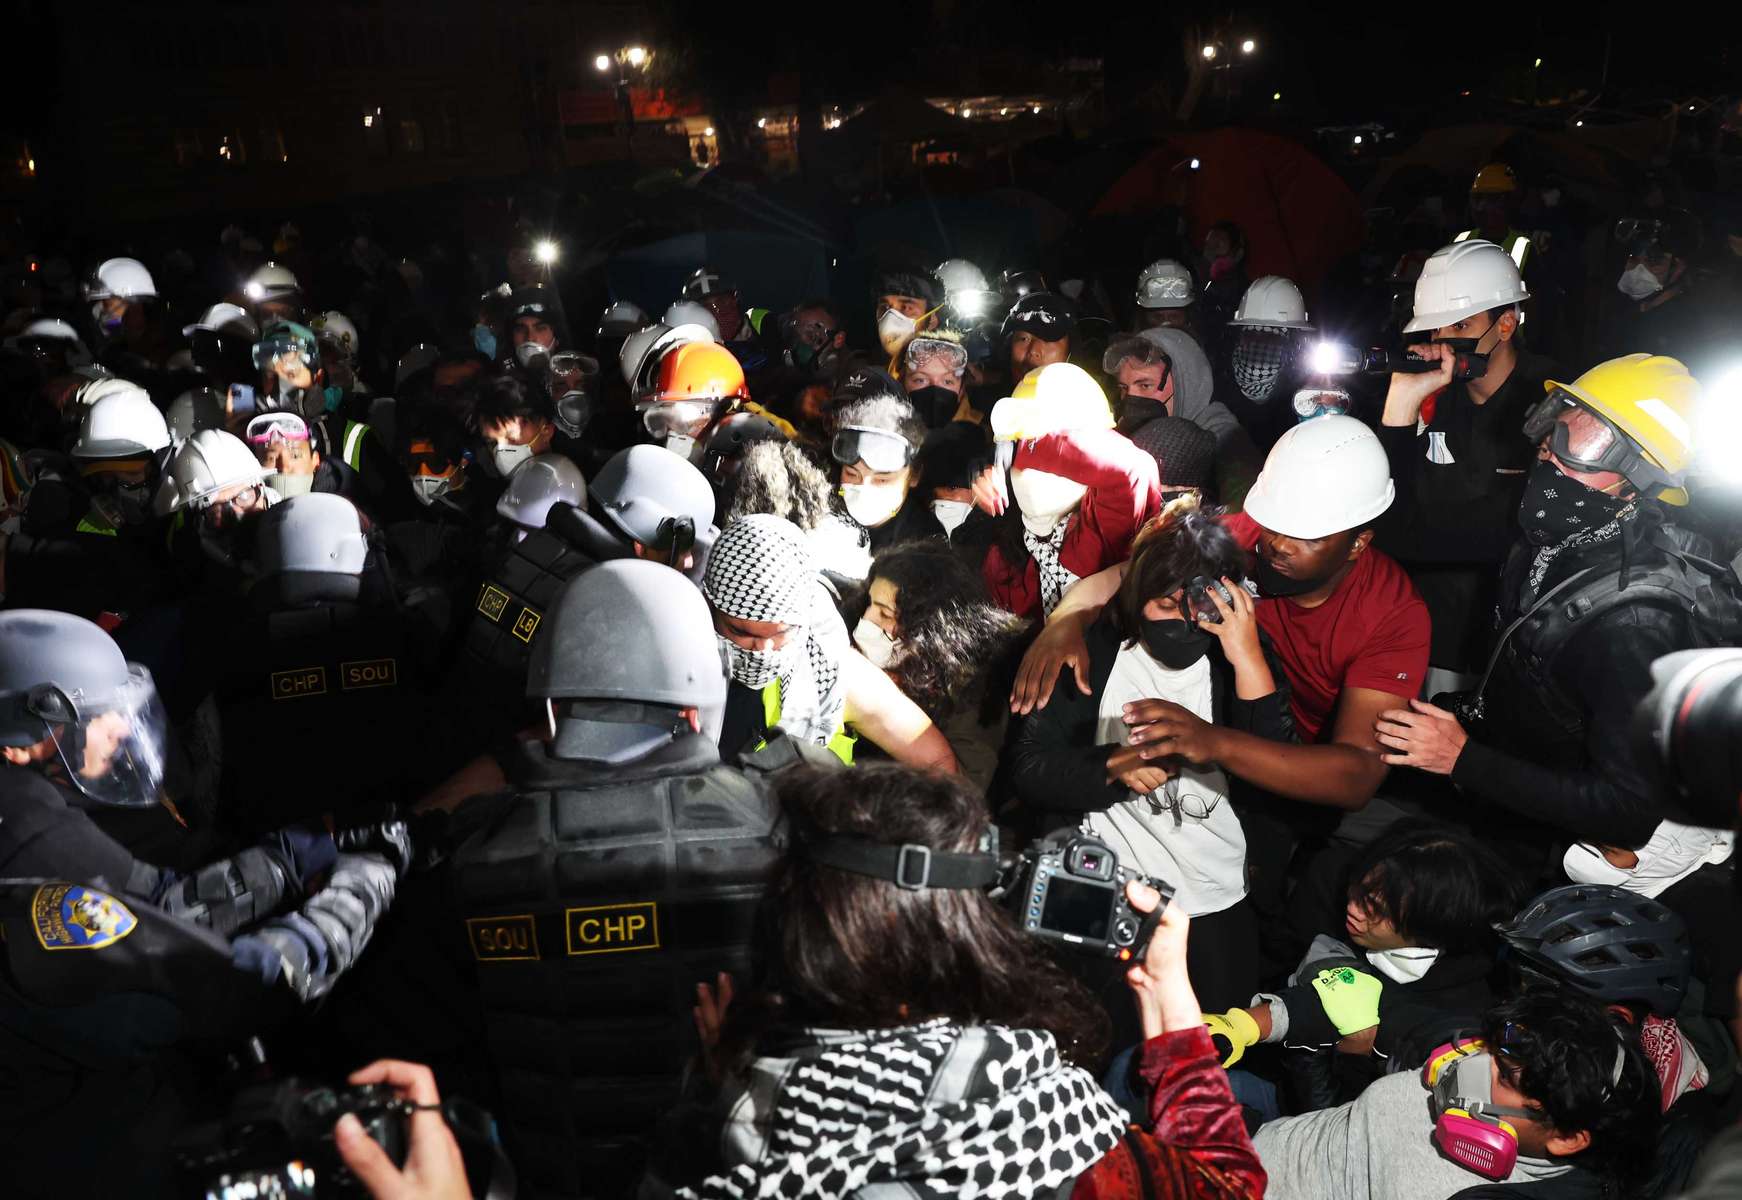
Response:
column 637, row 730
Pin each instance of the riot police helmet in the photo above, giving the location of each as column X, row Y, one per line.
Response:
column 646, row 493
column 312, row 549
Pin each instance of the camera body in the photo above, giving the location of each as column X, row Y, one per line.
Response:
column 278, row 1139
column 1200, row 609
column 1071, row 891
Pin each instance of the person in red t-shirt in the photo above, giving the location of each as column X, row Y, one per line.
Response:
column 1349, row 627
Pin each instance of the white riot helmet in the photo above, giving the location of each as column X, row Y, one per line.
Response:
column 52, row 329
column 271, row 282
column 1272, row 302
column 1165, row 283
column 690, row 312
column 312, row 548
column 1323, row 476
column 339, row 331
column 123, row 422
column 195, row 409
column 636, row 346
column 228, row 319
column 620, row 319
column 537, row 485
column 211, row 462
column 120, row 278
column 1461, row 280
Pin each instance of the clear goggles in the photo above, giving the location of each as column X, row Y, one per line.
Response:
column 280, row 347
column 244, row 501
column 271, row 427
column 677, row 418
column 876, row 448
column 1590, row 444
column 113, row 751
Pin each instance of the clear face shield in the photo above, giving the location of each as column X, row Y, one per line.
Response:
column 111, row 750
column 679, row 425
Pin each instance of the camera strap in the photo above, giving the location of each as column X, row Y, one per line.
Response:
column 908, row 865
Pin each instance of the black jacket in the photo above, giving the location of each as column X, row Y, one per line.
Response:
column 1057, row 767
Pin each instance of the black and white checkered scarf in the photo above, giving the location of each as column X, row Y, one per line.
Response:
column 760, row 569
column 937, row 1109
column 1055, row 577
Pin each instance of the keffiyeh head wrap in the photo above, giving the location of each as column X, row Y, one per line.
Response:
column 760, row 569
column 1055, row 577
column 929, row 1110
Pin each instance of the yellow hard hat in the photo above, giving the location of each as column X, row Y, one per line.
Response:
column 1056, row 398
column 1494, row 179
column 1651, row 399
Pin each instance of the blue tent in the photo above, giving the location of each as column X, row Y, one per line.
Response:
column 771, row 270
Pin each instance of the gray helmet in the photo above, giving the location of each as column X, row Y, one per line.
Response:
column 195, row 409
column 59, row 676
column 643, row 488
column 1614, row 945
column 312, row 548
column 676, row 663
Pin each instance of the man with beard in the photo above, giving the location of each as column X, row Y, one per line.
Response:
column 1603, row 582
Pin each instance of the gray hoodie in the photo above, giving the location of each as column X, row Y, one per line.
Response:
column 1193, row 383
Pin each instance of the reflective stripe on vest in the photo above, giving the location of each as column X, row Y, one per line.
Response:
column 86, row 525
column 1515, row 244
column 353, row 452
column 840, row 742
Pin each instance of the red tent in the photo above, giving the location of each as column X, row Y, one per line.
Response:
column 1300, row 218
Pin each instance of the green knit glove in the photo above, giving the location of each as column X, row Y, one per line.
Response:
column 1350, row 998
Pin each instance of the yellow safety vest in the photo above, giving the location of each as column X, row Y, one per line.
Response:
column 840, row 742
column 352, row 452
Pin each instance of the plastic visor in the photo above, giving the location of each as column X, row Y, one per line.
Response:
column 113, row 753
column 280, row 426
column 876, row 448
column 268, row 352
column 682, row 418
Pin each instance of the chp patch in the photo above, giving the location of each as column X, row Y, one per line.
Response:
column 72, row 917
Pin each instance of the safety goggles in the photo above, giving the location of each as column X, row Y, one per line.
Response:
column 276, row 426
column 683, row 418
column 1638, row 229
column 570, row 363
column 876, row 448
column 244, row 501
column 1591, row 445
column 815, row 334
column 1155, row 392
column 279, row 347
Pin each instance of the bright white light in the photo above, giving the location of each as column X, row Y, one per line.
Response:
column 1538, row 64
column 368, row 120
column 1037, row 110
column 1004, row 112
column 1721, row 429
column 544, row 250
column 1209, row 52
column 1578, row 124
column 967, row 112
column 1322, row 358
column 1248, row 46
column 1359, row 139
column 1276, row 95
column 30, row 164
column 636, row 55
column 1690, row 108
column 762, row 122
column 1196, row 164
column 603, row 62
column 708, row 132
column 254, row 291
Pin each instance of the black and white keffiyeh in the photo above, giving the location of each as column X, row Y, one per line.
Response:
column 760, row 569
column 1054, row 576
column 937, row 1109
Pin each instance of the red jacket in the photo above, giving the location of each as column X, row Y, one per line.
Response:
column 1124, row 492
column 1196, row 1148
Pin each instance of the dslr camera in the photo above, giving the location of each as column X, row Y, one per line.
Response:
column 1069, row 889
column 277, row 1140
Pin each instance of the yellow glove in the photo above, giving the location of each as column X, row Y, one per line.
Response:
column 1236, row 1028
column 1350, row 998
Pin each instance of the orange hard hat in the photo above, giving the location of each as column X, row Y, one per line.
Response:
column 700, row 371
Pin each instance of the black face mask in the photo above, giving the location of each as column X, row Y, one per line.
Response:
column 935, row 405
column 1555, row 507
column 1138, row 411
column 1458, row 345
column 1273, row 583
column 1174, row 643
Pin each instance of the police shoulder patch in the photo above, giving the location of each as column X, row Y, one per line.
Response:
column 71, row 917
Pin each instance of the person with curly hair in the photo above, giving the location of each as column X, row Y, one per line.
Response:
column 930, row 624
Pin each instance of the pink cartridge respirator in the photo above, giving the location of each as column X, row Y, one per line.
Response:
column 1469, row 1128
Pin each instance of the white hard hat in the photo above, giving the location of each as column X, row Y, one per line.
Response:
column 620, row 319
column 224, row 317
column 125, row 278
column 1322, row 477
column 646, row 376
column 318, row 532
column 537, row 485
column 1461, row 280
column 271, row 281
column 338, row 329
column 195, row 409
column 959, row 275
column 690, row 312
column 101, row 386
column 636, row 346
column 124, row 422
column 211, row 461
column 53, row 329
column 1274, row 302
column 1165, row 283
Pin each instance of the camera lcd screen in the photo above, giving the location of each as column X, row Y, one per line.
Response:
column 1076, row 908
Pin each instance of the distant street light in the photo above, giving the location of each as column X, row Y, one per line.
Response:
column 1358, row 139
column 636, row 55
column 545, row 251
column 708, row 132
column 1209, row 52
column 1276, row 95
column 1196, row 164
column 1248, row 46
column 762, row 122
column 1538, row 64
column 603, row 62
